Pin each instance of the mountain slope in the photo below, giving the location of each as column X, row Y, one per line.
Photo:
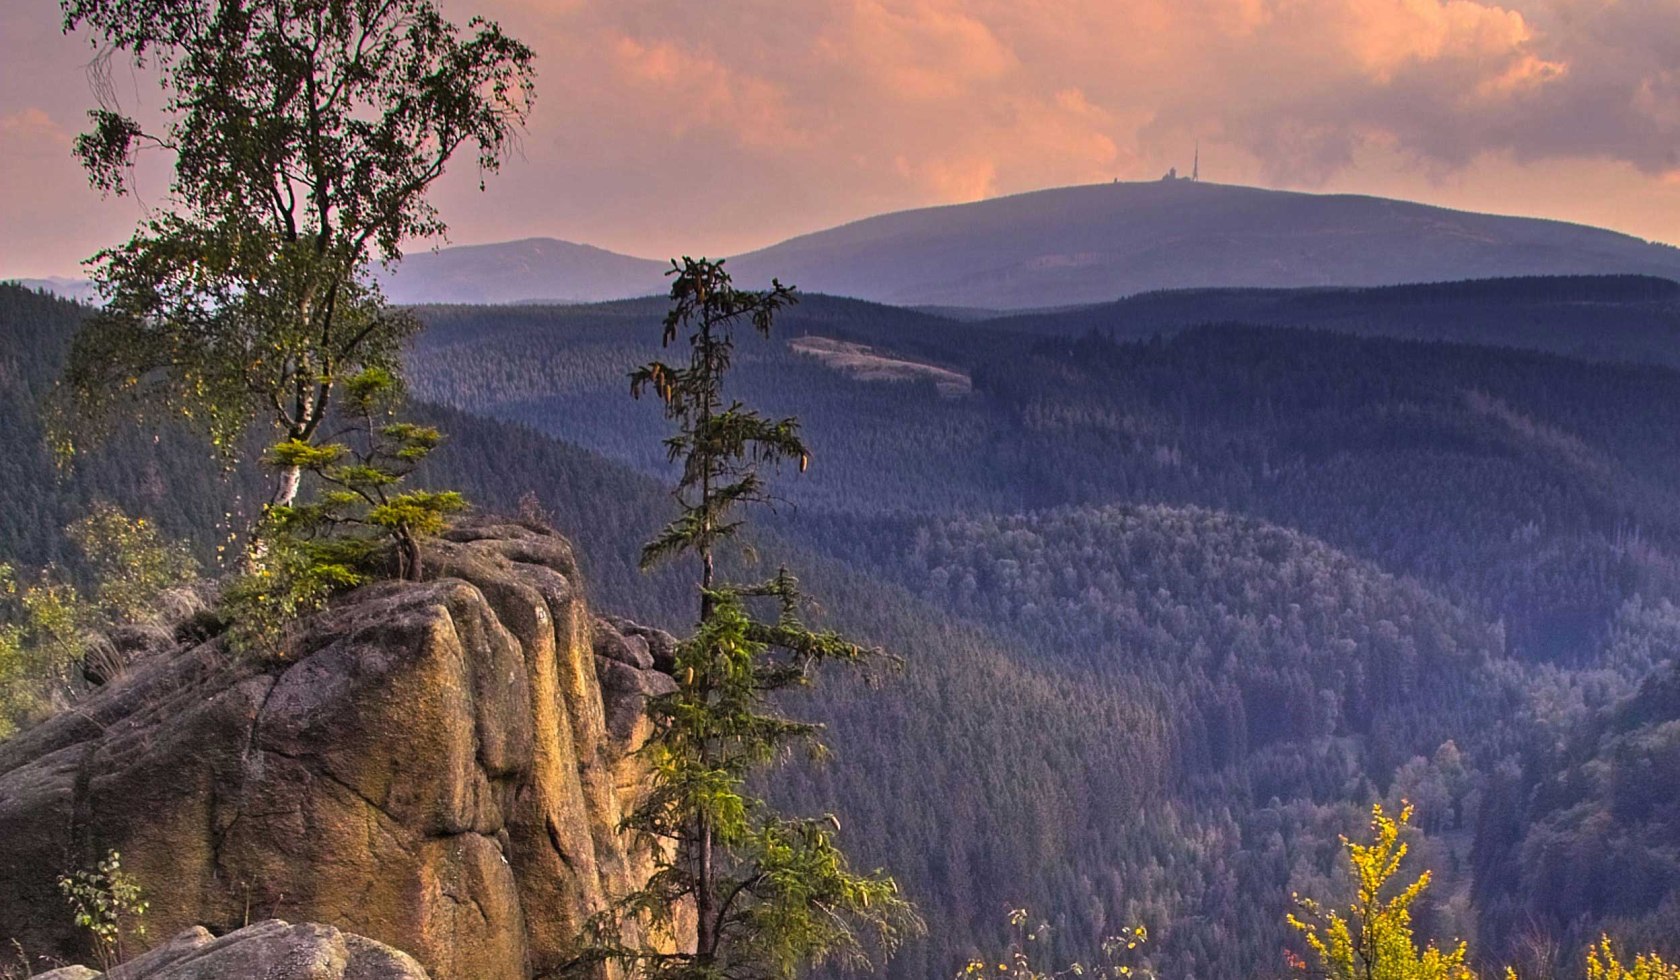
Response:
column 1585, row 841
column 80, row 290
column 1064, row 247
column 1094, row 243
column 515, row 272
column 1175, row 612
column 1623, row 318
column 1539, row 488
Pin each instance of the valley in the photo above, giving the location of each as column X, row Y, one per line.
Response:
column 1182, row 583
column 910, row 489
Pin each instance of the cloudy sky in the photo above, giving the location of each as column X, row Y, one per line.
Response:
column 668, row 126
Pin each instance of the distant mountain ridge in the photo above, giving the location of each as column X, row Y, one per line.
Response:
column 1097, row 243
column 1071, row 246
column 1065, row 247
column 529, row 270
column 78, row 290
column 1609, row 318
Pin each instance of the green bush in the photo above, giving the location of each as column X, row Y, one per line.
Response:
column 107, row 902
column 52, row 630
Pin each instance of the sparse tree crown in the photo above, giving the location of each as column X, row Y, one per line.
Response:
column 305, row 136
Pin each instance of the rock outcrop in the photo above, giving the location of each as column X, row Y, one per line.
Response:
column 440, row 767
column 271, row 950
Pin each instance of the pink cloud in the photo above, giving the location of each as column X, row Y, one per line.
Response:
column 41, row 190
column 30, row 131
column 690, row 90
column 666, row 125
column 806, row 112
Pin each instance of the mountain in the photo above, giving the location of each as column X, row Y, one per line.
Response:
column 1175, row 610
column 530, row 270
column 1613, row 318
column 1510, row 480
column 522, row 271
column 1076, row 245
column 80, row 290
column 1263, row 576
column 1064, row 247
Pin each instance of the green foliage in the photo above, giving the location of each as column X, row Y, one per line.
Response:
column 1019, row 962
column 131, row 563
column 51, row 621
column 363, row 483
column 107, row 902
column 50, row 629
column 289, row 579
column 720, row 446
column 361, row 500
column 1374, row 941
column 1603, row 965
column 770, row 894
column 158, row 473
column 16, row 700
column 305, row 136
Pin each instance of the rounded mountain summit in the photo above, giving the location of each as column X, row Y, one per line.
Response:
column 1075, row 245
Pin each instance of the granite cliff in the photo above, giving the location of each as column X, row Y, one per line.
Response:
column 439, row 766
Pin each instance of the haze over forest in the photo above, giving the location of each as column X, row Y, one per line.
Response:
column 1155, row 557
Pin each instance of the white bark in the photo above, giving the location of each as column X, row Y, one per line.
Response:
column 287, row 491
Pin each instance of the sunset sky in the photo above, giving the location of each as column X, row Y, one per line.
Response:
column 668, row 126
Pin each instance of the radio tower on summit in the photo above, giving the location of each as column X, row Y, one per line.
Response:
column 1196, row 163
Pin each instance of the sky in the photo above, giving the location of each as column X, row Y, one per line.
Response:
column 667, row 127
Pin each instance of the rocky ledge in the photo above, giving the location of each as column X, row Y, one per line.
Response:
column 440, row 767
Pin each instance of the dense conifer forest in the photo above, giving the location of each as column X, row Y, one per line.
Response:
column 1178, row 601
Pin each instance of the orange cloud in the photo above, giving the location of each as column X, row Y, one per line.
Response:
column 951, row 181
column 40, row 190
column 915, row 50
column 690, row 90
column 1385, row 36
column 853, row 106
column 30, row 131
column 666, row 125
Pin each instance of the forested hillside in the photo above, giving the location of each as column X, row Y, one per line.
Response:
column 1174, row 611
column 1587, row 839
column 1538, row 489
column 988, row 850
column 166, row 475
column 1624, row 318
column 1327, row 567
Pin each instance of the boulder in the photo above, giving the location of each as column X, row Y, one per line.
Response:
column 438, row 766
column 271, row 950
column 624, row 665
column 660, row 645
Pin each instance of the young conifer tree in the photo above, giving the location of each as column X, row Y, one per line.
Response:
column 770, row 893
